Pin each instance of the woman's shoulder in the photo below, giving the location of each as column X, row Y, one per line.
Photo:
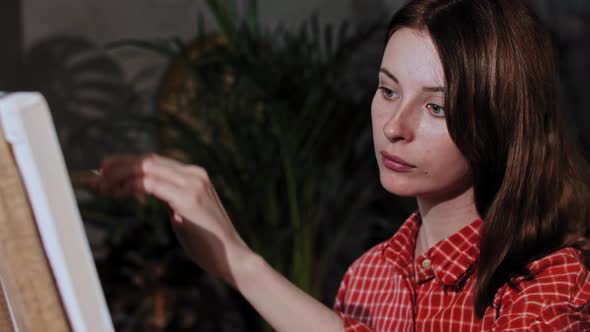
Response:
column 554, row 296
column 564, row 265
column 560, row 276
column 397, row 251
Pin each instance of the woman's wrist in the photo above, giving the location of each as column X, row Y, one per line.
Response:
column 243, row 263
column 282, row 304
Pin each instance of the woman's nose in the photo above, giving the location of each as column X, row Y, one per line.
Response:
column 400, row 127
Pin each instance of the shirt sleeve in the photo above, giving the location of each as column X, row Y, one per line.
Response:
column 350, row 324
column 557, row 299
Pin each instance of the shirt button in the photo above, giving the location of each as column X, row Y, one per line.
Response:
column 427, row 264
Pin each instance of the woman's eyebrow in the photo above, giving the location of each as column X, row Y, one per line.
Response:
column 388, row 74
column 433, row 89
column 425, row 89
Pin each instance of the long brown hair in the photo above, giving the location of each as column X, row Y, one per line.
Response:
column 530, row 180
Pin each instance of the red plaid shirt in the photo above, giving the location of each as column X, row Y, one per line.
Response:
column 380, row 291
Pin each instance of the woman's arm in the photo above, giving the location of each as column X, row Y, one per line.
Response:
column 208, row 236
column 284, row 306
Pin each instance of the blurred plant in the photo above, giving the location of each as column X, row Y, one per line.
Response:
column 285, row 145
column 84, row 86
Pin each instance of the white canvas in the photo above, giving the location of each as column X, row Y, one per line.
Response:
column 29, row 128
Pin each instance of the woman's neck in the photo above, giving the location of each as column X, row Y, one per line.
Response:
column 443, row 217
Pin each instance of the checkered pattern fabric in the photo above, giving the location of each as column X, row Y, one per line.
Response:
column 386, row 290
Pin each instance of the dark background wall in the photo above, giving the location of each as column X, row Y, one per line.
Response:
column 11, row 35
column 101, row 22
column 57, row 47
column 52, row 46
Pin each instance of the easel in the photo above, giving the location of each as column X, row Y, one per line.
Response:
column 26, row 276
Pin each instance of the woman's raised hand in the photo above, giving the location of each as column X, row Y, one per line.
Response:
column 199, row 220
column 207, row 234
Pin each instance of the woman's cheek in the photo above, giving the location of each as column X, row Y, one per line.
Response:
column 374, row 109
column 379, row 114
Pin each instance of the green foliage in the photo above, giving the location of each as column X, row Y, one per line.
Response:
column 265, row 113
column 270, row 123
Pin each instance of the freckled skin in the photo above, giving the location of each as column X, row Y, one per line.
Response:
column 404, row 125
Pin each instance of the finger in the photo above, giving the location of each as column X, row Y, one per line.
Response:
column 115, row 170
column 119, row 170
column 130, row 185
column 167, row 169
column 124, row 189
column 162, row 189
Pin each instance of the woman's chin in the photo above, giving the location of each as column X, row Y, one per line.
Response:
column 399, row 186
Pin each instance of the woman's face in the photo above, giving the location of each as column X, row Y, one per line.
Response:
column 414, row 150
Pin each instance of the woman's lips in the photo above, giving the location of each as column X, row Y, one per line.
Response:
column 395, row 163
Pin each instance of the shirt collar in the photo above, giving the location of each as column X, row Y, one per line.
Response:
column 450, row 259
column 399, row 250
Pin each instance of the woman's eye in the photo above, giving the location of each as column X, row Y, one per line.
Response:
column 388, row 93
column 436, row 110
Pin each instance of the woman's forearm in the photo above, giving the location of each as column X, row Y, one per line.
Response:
column 284, row 306
column 206, row 232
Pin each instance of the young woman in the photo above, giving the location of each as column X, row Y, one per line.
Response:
column 465, row 119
